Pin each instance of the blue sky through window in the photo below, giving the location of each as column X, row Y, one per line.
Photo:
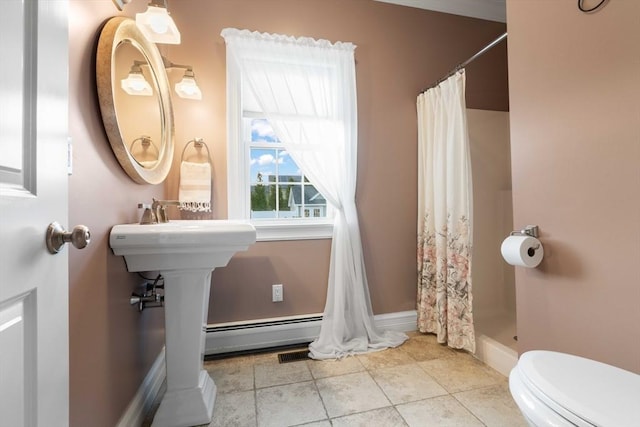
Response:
column 269, row 161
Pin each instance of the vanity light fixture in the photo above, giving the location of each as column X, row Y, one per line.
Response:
column 187, row 87
column 135, row 83
column 157, row 25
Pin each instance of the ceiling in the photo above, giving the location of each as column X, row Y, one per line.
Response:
column 492, row 10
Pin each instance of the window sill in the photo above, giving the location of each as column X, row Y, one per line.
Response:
column 284, row 230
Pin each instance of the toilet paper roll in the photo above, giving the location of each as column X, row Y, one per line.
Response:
column 523, row 251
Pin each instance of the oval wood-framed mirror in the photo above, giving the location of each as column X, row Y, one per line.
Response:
column 138, row 118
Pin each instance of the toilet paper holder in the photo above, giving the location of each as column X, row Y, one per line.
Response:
column 529, row 230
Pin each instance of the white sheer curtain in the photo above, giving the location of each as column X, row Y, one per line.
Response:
column 306, row 89
column 444, row 215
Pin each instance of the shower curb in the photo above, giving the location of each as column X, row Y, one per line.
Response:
column 496, row 355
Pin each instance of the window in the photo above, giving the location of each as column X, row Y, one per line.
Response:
column 264, row 183
column 307, row 89
column 278, row 189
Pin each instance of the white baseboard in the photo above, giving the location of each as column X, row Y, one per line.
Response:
column 238, row 336
column 401, row 321
column 147, row 393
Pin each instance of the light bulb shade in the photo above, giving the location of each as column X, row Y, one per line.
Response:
column 136, row 84
column 157, row 26
column 188, row 88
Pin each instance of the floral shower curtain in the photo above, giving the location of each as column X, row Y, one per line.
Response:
column 444, row 215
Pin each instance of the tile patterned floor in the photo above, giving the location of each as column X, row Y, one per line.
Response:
column 420, row 383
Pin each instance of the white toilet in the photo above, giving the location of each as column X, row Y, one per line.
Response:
column 557, row 389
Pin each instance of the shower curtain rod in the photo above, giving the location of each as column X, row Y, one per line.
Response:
column 467, row 62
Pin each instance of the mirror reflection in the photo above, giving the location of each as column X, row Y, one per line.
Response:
column 146, row 152
column 137, row 104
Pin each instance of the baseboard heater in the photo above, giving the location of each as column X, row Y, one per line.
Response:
column 252, row 335
column 235, row 337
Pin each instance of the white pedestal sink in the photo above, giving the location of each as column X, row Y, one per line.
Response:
column 185, row 253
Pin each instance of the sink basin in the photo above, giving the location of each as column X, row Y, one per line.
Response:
column 178, row 245
column 185, row 253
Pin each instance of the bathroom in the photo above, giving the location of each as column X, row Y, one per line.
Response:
column 573, row 100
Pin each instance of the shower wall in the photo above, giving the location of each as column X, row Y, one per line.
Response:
column 493, row 279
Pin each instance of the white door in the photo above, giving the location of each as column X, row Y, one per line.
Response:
column 34, row 342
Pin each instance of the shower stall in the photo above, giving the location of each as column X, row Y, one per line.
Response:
column 493, row 280
column 494, row 303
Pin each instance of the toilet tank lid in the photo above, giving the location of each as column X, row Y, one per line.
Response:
column 596, row 392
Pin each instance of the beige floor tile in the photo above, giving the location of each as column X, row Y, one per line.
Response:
column 385, row 358
column 256, row 390
column 407, row 383
column 325, row 423
column 289, row 405
column 231, row 377
column 348, row 394
column 426, row 347
column 236, row 409
column 443, row 411
column 271, row 373
column 461, row 373
column 332, row 368
column 387, row 417
column 493, row 405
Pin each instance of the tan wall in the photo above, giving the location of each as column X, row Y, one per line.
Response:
column 112, row 346
column 400, row 51
column 575, row 145
column 493, row 279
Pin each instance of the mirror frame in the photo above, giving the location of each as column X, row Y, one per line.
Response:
column 119, row 30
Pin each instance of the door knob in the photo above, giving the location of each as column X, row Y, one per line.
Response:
column 57, row 236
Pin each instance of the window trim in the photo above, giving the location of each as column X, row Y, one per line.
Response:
column 303, row 229
column 238, row 179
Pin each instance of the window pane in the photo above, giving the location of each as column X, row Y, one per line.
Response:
column 261, row 205
column 264, row 163
column 302, row 198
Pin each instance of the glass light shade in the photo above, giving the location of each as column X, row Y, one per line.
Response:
column 136, row 84
column 157, row 26
column 188, row 88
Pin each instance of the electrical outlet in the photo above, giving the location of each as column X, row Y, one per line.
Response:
column 277, row 293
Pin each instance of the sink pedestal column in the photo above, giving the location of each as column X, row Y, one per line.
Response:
column 191, row 392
